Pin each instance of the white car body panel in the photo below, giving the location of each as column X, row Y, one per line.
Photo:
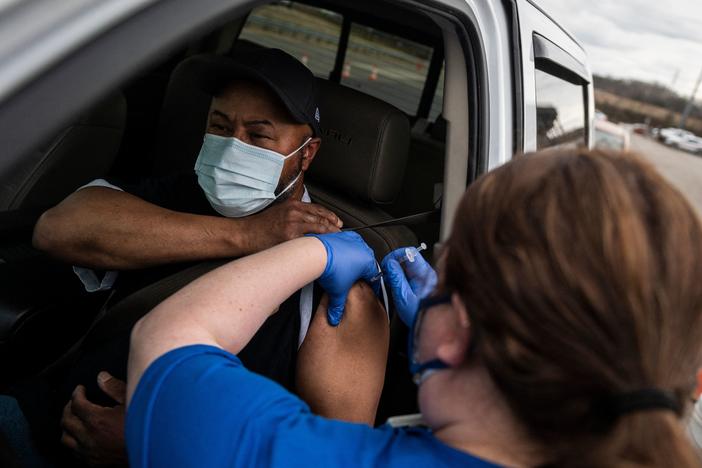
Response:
column 493, row 27
column 534, row 20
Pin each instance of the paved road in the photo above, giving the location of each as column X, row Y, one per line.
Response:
column 682, row 169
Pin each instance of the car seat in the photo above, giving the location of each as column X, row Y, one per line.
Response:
column 361, row 162
column 37, row 290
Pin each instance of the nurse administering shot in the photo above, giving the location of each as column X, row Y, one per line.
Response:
column 560, row 328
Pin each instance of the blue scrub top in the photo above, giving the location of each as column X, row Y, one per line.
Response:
column 198, row 406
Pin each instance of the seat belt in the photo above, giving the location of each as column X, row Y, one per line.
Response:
column 411, row 220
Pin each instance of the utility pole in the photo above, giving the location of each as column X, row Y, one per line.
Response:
column 690, row 103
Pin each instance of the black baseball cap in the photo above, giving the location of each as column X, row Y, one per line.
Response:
column 289, row 79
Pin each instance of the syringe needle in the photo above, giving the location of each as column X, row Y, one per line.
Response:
column 409, row 255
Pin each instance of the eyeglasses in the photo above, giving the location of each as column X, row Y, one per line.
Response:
column 419, row 370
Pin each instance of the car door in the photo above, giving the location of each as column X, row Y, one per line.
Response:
column 558, row 93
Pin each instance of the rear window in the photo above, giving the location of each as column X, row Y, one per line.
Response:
column 375, row 62
column 386, row 66
column 308, row 33
column 437, row 104
column 560, row 112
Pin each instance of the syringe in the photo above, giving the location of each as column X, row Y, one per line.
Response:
column 410, row 255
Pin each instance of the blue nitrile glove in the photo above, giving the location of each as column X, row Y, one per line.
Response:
column 348, row 259
column 409, row 282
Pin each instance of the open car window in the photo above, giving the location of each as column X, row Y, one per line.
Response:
column 388, row 66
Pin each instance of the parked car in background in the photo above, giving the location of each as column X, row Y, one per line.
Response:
column 609, row 135
column 681, row 139
column 690, row 143
column 670, row 136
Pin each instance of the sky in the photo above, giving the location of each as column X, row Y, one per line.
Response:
column 650, row 40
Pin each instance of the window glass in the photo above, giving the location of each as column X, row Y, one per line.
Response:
column 386, row 66
column 308, row 33
column 560, row 112
column 437, row 105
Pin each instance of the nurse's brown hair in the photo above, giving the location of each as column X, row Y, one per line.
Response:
column 582, row 276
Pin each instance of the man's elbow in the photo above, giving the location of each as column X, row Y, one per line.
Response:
column 47, row 235
column 136, row 336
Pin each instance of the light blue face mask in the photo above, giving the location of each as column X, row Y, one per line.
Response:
column 240, row 179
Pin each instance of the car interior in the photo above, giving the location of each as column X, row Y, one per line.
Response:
column 380, row 78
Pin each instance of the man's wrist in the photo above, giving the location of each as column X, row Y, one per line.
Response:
column 238, row 239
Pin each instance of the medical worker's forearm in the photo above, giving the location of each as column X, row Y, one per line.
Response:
column 101, row 228
column 227, row 306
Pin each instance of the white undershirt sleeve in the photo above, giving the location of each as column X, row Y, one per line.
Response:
column 87, row 276
column 306, row 297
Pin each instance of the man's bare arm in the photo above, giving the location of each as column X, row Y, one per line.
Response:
column 102, row 228
column 341, row 370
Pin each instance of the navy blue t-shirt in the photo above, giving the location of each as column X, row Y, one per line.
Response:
column 199, row 406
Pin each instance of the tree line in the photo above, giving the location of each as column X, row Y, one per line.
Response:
column 650, row 93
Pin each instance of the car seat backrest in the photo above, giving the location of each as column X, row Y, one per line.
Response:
column 360, row 163
column 364, row 144
column 183, row 118
column 80, row 153
column 182, row 122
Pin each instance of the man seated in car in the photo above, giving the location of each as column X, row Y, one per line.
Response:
column 246, row 194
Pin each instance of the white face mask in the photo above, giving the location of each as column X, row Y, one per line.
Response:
column 240, row 179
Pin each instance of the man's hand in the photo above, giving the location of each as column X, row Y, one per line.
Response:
column 289, row 220
column 96, row 433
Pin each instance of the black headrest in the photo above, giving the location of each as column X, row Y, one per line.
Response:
column 182, row 121
column 364, row 144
